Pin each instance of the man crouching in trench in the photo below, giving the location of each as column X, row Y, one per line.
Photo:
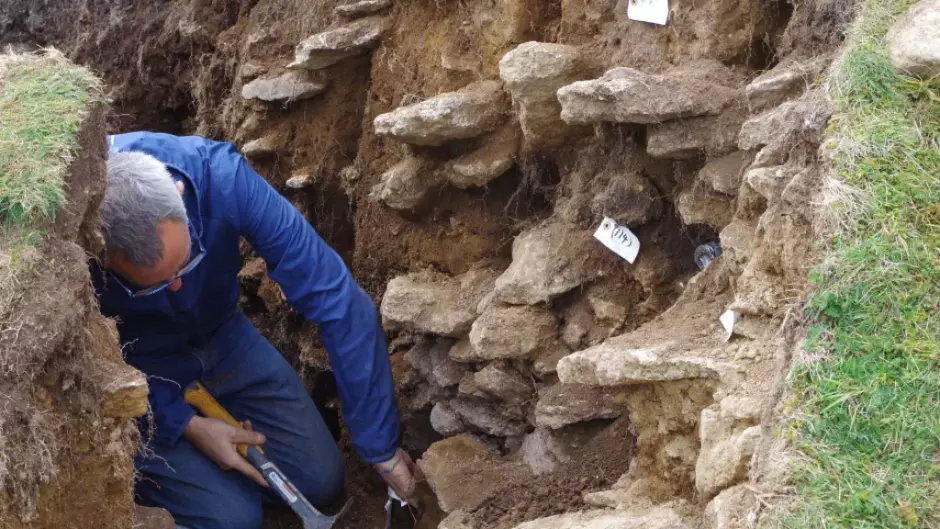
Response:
column 173, row 213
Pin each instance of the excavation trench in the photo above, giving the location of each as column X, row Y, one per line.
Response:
column 537, row 372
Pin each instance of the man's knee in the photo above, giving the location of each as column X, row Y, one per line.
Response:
column 236, row 512
column 324, row 485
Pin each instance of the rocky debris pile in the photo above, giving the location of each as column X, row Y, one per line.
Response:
column 560, row 338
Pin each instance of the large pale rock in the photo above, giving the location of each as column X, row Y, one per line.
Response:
column 471, row 112
column 548, row 261
column 914, row 41
column 292, row 86
column 564, row 404
column 485, row 164
column 724, row 174
column 785, row 81
column 807, row 117
column 533, row 73
column 694, row 137
column 511, row 332
column 406, row 184
column 734, row 508
column 463, row 473
column 727, row 444
column 504, row 382
column 701, row 206
column 609, row 364
column 445, row 420
column 625, row 95
column 435, row 303
column 332, row 46
column 489, row 417
column 655, row 518
column 362, row 8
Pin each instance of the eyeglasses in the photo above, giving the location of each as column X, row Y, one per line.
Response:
column 193, row 263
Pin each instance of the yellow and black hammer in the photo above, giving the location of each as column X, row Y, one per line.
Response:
column 200, row 398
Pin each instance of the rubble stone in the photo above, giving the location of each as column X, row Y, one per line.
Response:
column 608, row 364
column 406, row 184
column 629, row 199
column 727, row 445
column 547, row 362
column 488, row 417
column 578, row 323
column 701, row 206
column 693, row 137
column 292, row 86
column 511, row 332
column 125, row 394
column 485, row 164
column 152, row 518
column 471, row 112
column 785, row 81
column 542, row 452
column 456, row 520
column 914, row 42
column 738, row 240
column 445, row 421
column 770, row 181
column 548, row 261
column 430, row 358
column 504, row 383
column 463, row 473
column 804, row 116
column 724, row 174
column 734, row 508
column 362, row 8
column 655, row 518
column 533, row 73
column 468, row 386
column 625, row 95
column 563, row 404
column 301, row 179
column 334, row 45
column 435, row 303
column 260, row 147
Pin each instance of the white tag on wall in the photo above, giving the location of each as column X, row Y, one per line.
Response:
column 652, row 11
column 728, row 319
column 619, row 239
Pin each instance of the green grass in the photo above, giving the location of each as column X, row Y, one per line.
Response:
column 42, row 103
column 868, row 433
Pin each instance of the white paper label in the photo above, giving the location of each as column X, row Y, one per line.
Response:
column 619, row 239
column 653, row 11
column 728, row 319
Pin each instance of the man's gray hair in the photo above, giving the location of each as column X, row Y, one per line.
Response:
column 140, row 195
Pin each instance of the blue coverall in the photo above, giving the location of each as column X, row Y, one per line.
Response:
column 198, row 333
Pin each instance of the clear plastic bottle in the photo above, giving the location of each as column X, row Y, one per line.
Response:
column 706, row 253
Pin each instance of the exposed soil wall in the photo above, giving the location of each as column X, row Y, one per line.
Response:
column 66, row 396
column 509, row 324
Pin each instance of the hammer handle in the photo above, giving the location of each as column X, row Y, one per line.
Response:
column 199, row 397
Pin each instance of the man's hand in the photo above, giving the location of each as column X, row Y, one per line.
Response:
column 399, row 473
column 217, row 440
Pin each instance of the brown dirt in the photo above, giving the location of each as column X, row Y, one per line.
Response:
column 595, row 467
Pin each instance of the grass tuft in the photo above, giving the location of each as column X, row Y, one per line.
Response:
column 42, row 103
column 868, row 435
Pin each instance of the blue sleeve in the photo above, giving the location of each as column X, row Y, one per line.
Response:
column 171, row 413
column 318, row 284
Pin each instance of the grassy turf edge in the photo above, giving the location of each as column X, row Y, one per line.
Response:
column 864, row 419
